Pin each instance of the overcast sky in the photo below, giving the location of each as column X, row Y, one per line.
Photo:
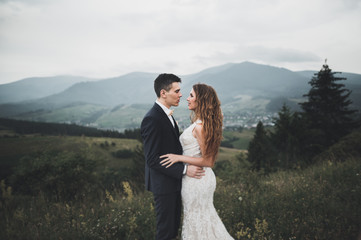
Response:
column 108, row 38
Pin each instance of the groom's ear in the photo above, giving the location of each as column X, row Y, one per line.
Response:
column 163, row 93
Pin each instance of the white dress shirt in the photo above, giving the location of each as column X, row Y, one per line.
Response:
column 166, row 110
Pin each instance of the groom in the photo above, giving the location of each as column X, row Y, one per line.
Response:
column 160, row 135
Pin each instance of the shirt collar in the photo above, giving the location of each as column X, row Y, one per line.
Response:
column 165, row 109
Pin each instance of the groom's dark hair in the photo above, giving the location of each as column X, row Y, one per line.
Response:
column 164, row 81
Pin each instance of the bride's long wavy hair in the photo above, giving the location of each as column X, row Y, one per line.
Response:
column 209, row 111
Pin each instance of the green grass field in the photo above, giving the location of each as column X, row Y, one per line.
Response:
column 12, row 149
column 228, row 154
column 239, row 140
column 72, row 113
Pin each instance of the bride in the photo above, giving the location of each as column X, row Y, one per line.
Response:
column 200, row 142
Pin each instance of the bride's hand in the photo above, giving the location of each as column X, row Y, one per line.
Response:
column 169, row 159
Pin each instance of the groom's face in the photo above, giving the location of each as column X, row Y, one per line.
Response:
column 172, row 97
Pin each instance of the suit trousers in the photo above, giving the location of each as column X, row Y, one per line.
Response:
column 168, row 210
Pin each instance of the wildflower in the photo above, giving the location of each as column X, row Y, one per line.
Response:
column 128, row 190
column 240, row 199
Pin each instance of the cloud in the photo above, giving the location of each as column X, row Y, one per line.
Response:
column 108, row 38
column 280, row 55
column 261, row 54
column 352, row 4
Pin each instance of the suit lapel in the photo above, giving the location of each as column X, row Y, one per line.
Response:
column 176, row 129
column 165, row 118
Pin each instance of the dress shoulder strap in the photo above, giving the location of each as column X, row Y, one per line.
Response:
column 197, row 122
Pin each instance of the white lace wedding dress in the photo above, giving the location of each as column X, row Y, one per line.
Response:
column 200, row 219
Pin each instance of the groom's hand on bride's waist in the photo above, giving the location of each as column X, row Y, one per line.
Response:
column 195, row 171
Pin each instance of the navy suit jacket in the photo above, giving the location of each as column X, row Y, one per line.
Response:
column 159, row 138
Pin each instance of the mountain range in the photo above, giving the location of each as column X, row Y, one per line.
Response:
column 121, row 102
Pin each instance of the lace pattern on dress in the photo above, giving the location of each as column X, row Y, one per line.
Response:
column 200, row 220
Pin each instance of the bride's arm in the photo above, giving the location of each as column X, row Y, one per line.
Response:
column 170, row 159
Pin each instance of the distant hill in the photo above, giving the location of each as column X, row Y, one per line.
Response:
column 121, row 102
column 255, row 80
column 36, row 87
column 131, row 88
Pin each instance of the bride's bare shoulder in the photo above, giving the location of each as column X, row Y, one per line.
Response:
column 198, row 130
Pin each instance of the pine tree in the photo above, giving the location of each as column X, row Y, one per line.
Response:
column 259, row 150
column 288, row 137
column 327, row 109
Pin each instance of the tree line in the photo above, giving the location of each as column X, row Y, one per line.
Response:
column 297, row 137
column 31, row 127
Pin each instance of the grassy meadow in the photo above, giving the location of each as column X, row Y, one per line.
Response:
column 14, row 148
column 68, row 187
column 70, row 113
column 239, row 139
